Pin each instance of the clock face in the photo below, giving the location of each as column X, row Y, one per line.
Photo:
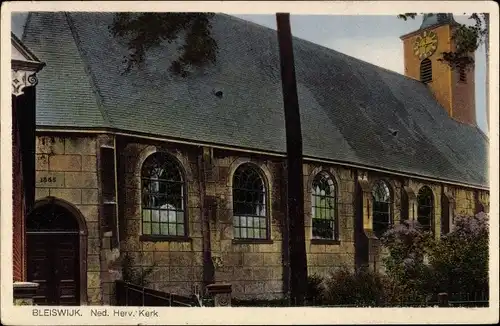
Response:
column 425, row 45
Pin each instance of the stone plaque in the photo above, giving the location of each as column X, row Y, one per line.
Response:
column 49, row 179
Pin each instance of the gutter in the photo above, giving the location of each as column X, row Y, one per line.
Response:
column 306, row 158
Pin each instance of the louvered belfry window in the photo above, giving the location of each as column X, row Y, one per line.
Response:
column 426, row 71
column 462, row 75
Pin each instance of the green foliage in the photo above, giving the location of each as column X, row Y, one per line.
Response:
column 467, row 39
column 143, row 31
column 460, row 260
column 131, row 274
column 315, row 289
column 358, row 288
column 418, row 264
column 417, row 268
column 409, row 247
column 407, row 15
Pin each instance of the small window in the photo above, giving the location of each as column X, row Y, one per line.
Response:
column 425, row 213
column 324, row 207
column 426, row 71
column 381, row 208
column 250, row 220
column 163, row 190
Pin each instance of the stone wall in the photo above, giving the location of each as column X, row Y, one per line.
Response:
column 66, row 169
column 177, row 263
column 323, row 256
column 484, row 200
column 416, row 185
column 254, row 267
column 464, row 199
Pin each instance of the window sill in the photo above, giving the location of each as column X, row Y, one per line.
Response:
column 325, row 241
column 254, row 241
column 164, row 238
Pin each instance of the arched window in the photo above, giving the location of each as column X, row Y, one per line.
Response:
column 445, row 214
column 250, row 220
column 405, row 205
column 324, row 207
column 163, row 196
column 425, row 213
column 381, row 207
column 426, row 71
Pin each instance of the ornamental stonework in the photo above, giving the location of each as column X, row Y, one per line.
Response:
column 22, row 79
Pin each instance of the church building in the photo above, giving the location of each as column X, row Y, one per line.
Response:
column 187, row 175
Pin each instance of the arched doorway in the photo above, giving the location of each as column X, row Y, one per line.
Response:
column 55, row 236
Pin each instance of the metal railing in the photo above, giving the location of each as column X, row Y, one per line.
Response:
column 128, row 294
column 465, row 299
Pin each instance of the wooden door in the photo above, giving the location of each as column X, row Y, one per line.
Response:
column 53, row 263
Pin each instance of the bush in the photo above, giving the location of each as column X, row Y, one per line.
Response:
column 315, row 289
column 358, row 288
column 419, row 265
column 407, row 265
column 460, row 259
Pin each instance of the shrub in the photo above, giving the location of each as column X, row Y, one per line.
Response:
column 315, row 289
column 460, row 259
column 406, row 263
column 358, row 288
column 418, row 265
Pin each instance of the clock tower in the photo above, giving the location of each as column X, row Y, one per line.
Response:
column 454, row 90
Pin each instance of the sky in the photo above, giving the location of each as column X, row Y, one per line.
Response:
column 373, row 38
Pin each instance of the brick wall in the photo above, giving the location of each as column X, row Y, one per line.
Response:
column 18, row 202
column 66, row 169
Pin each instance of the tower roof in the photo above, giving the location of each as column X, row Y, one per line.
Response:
column 433, row 19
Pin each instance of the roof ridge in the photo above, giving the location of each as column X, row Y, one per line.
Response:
column 88, row 70
column 321, row 46
column 28, row 19
column 23, row 48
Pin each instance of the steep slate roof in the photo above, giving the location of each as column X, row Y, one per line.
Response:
column 348, row 106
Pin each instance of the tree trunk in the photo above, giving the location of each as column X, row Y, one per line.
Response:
column 487, row 52
column 295, row 186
